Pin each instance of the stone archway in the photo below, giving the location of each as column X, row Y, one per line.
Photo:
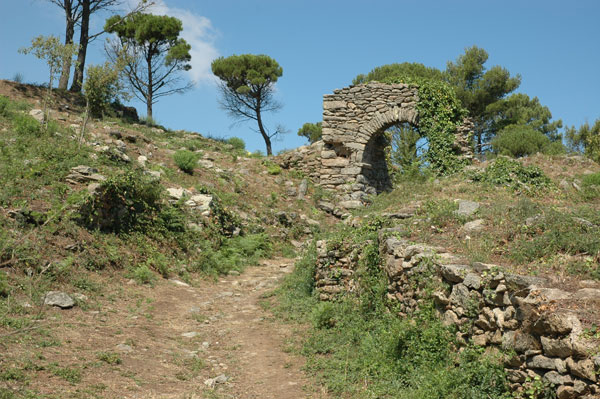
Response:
column 354, row 118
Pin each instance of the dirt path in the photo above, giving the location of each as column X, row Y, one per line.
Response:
column 212, row 340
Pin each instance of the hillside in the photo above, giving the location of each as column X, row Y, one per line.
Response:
column 191, row 268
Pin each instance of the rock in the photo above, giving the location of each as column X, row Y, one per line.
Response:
column 582, row 369
column 556, row 324
column 84, row 174
column 352, row 204
column 154, row 173
column 460, row 296
column 454, row 273
column 176, row 193
column 302, row 189
column 37, row 114
column 557, row 347
column 475, row 226
column 124, row 348
column 205, row 163
column 542, row 362
column 116, row 134
column 557, row 379
column 201, row 203
column 59, row 299
column 326, row 206
column 472, row 281
column 178, row 282
column 142, row 160
column 467, row 208
column 212, row 382
column 566, row 392
column 519, row 341
column 190, row 334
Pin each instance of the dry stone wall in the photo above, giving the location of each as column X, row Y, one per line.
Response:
column 350, row 160
column 488, row 307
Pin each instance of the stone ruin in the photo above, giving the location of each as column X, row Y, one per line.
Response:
column 351, row 158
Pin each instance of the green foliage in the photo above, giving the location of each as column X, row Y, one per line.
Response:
column 186, row 160
column 51, row 50
column 237, row 143
column 441, row 212
column 4, row 287
column 26, row 125
column 359, row 348
column 586, row 139
column 272, row 167
column 111, row 358
column 4, row 106
column 390, row 71
column 155, row 52
column 233, row 254
column 247, row 88
column 440, row 112
column 312, row 131
column 521, row 140
column 143, row 275
column 125, row 202
column 558, row 232
column 102, row 86
column 519, row 109
column 509, row 173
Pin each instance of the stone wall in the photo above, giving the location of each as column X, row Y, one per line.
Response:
column 351, row 158
column 489, row 308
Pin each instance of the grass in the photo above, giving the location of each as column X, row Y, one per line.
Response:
column 357, row 348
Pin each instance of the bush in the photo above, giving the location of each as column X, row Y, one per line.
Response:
column 124, row 203
column 26, row 124
column 101, row 87
column 4, row 287
column 518, row 141
column 4, row 106
column 237, row 143
column 323, row 315
column 186, row 160
column 506, row 172
column 143, row 275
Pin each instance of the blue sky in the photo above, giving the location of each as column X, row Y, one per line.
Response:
column 322, row 45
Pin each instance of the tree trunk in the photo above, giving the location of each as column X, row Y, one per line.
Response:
column 69, row 33
column 83, row 43
column 149, row 93
column 264, row 134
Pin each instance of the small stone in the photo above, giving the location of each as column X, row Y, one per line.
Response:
column 59, row 299
column 473, row 227
column 467, row 208
column 190, row 334
column 473, row 281
column 179, row 282
column 124, row 348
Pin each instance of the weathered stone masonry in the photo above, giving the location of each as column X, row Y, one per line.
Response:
column 351, row 161
column 489, row 308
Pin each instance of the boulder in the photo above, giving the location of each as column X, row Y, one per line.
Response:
column 467, row 208
column 58, row 299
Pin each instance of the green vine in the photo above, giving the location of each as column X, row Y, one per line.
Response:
column 440, row 113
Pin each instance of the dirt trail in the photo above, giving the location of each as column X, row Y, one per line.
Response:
column 172, row 338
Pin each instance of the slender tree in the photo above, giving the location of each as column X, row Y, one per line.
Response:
column 156, row 54
column 72, row 10
column 247, row 84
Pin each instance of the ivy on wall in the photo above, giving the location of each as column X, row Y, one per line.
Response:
column 440, row 113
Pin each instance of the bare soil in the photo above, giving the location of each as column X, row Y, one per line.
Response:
column 173, row 339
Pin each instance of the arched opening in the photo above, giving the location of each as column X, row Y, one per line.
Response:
column 395, row 149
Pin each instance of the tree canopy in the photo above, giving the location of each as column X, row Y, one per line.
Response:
column 155, row 52
column 312, row 131
column 247, row 84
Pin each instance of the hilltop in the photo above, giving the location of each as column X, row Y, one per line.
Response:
column 139, row 261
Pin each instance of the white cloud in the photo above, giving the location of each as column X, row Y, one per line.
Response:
column 198, row 32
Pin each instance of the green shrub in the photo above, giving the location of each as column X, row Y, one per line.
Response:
column 272, row 167
column 4, row 287
column 125, row 202
column 506, row 172
column 441, row 212
column 143, row 275
column 101, row 87
column 186, row 160
column 111, row 358
column 323, row 315
column 4, row 106
column 591, row 179
column 237, row 143
column 26, row 125
column 521, row 140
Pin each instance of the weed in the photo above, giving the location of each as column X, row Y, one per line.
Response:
column 186, row 160
column 509, row 173
column 109, row 358
column 143, row 275
column 26, row 125
column 237, row 143
column 69, row 374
